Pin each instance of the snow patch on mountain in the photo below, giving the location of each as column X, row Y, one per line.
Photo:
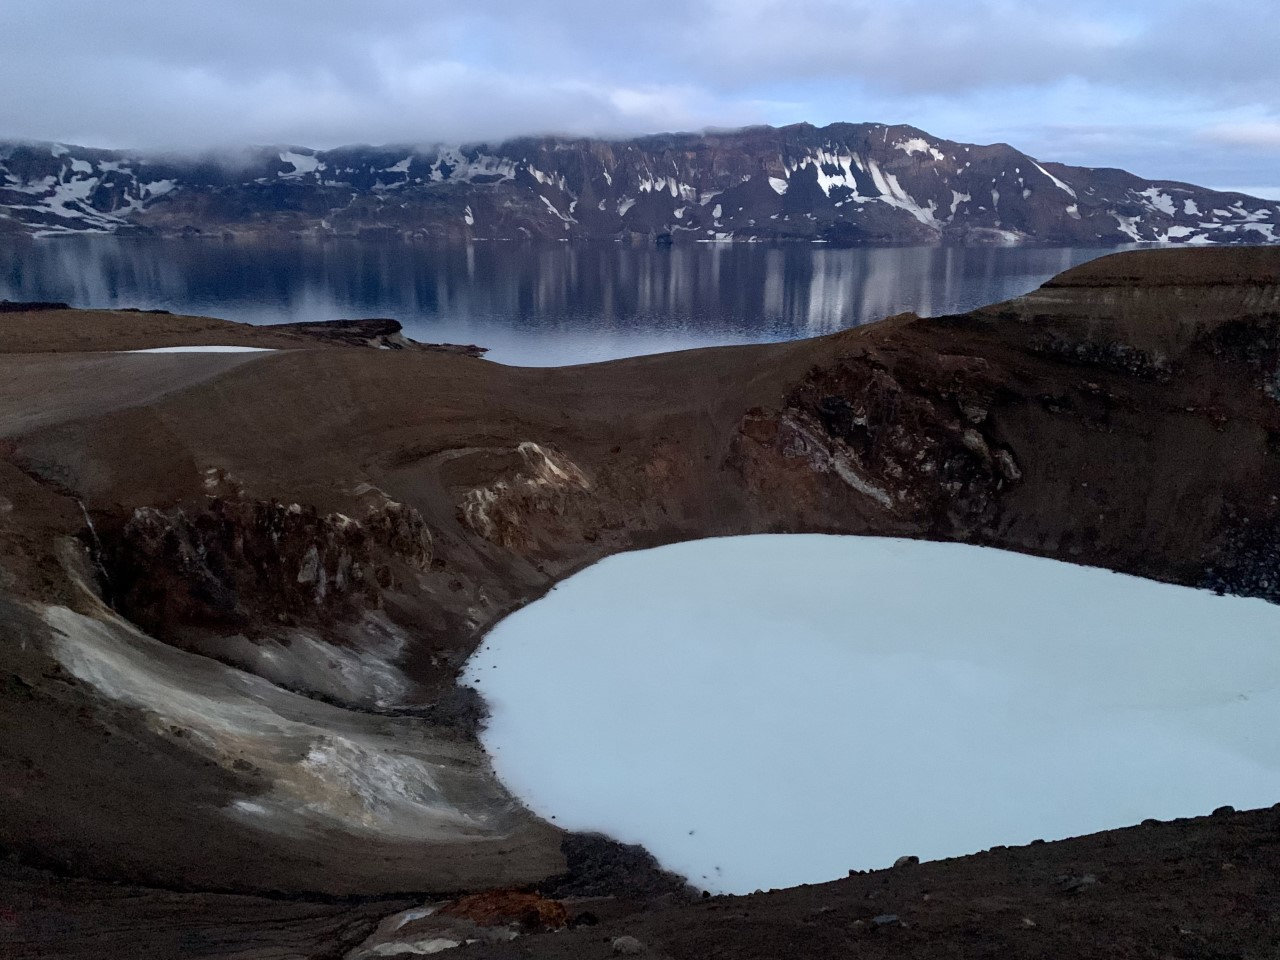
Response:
column 554, row 211
column 1129, row 226
column 862, row 179
column 891, row 192
column 302, row 163
column 919, row 145
column 1066, row 188
column 1157, row 199
column 835, row 170
column 1184, row 234
column 158, row 188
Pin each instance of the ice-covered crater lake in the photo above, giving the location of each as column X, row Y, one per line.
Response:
column 764, row 711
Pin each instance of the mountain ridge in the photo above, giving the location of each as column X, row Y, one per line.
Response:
column 843, row 183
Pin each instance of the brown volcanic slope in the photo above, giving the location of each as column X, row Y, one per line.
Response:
column 236, row 589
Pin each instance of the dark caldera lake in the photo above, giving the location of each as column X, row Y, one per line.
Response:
column 534, row 304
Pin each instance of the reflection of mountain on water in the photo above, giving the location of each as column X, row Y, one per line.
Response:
column 533, row 303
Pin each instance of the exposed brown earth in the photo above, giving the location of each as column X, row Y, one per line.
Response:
column 237, row 590
column 54, row 328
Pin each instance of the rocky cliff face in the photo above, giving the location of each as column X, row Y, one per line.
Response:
column 845, row 183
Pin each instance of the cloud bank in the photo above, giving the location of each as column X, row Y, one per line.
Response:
column 1185, row 89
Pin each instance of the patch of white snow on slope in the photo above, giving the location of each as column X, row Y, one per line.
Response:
column 302, row 163
column 551, row 208
column 919, row 145
column 836, row 170
column 41, row 186
column 1157, row 199
column 771, row 710
column 893, row 194
column 1128, row 226
column 204, row 348
column 1177, row 232
column 1056, row 182
column 157, row 188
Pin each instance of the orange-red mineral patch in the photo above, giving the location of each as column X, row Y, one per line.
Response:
column 496, row 907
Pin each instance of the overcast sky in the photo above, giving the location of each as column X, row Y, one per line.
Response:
column 1180, row 89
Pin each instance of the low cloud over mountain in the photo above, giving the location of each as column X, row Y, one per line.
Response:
column 845, row 183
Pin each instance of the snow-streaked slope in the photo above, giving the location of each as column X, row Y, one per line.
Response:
column 770, row 710
column 849, row 183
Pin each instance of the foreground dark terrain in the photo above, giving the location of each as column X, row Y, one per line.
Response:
column 1202, row 888
column 237, row 590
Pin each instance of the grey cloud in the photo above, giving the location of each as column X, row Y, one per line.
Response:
column 324, row 72
column 1262, row 134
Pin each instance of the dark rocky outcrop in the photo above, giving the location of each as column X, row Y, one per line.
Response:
column 382, row 333
column 30, row 306
column 921, row 449
column 244, row 565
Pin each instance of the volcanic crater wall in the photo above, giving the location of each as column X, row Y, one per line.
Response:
column 322, row 535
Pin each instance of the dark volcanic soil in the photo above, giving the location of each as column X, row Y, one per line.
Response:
column 312, row 541
column 1203, row 888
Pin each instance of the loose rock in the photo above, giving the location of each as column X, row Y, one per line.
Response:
column 627, row 946
column 1073, row 884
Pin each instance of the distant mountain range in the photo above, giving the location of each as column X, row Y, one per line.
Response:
column 845, row 183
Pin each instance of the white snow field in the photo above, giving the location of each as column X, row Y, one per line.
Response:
column 765, row 711
column 202, row 348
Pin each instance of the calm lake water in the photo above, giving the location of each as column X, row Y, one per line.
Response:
column 534, row 304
